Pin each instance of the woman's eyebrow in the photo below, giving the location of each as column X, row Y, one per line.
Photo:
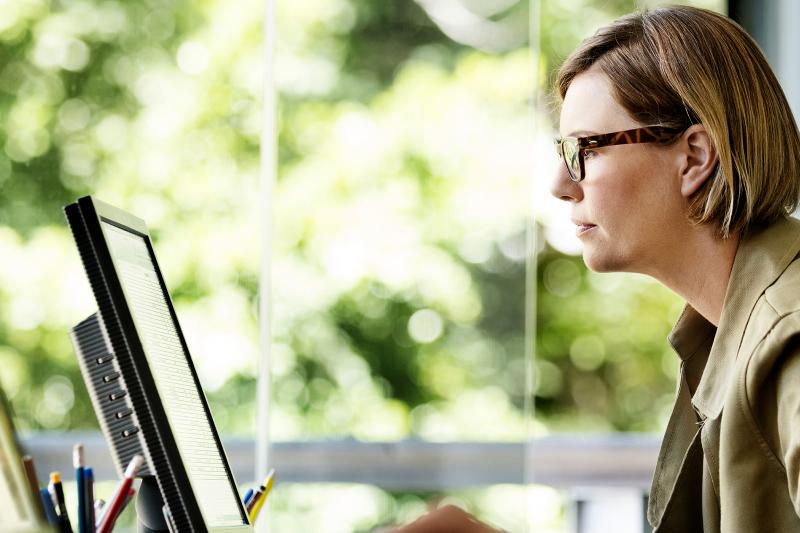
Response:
column 581, row 133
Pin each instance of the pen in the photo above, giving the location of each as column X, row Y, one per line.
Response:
column 128, row 498
column 120, row 497
column 58, row 489
column 99, row 506
column 256, row 495
column 33, row 482
column 51, row 491
column 247, row 496
column 47, row 504
column 88, row 496
column 267, row 486
column 78, row 464
column 101, row 515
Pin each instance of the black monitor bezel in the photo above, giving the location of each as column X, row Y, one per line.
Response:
column 158, row 437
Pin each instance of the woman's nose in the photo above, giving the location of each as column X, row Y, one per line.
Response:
column 562, row 187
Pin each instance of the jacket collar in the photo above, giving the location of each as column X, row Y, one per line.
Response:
column 760, row 259
column 689, row 332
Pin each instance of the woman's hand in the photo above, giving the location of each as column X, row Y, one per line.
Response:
column 447, row 519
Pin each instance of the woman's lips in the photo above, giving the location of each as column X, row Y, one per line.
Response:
column 583, row 228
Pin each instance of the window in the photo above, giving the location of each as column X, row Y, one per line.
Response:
column 393, row 224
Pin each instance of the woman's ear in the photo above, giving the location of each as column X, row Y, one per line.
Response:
column 698, row 159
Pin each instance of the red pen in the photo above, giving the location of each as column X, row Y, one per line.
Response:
column 128, row 498
column 120, row 497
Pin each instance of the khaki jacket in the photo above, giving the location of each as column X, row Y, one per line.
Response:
column 730, row 458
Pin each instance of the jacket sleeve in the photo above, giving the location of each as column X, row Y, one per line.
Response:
column 787, row 404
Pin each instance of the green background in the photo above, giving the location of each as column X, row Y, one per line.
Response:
column 408, row 155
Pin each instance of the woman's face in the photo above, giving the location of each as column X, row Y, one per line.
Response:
column 628, row 208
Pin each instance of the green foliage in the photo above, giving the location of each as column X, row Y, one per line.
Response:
column 400, row 218
column 400, row 215
column 601, row 346
column 150, row 106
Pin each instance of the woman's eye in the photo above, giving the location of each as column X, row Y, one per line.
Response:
column 588, row 154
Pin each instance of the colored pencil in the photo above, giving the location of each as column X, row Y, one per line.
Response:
column 33, row 483
column 47, row 504
column 63, row 515
column 78, row 464
column 121, row 496
column 88, row 496
column 267, row 486
column 99, row 507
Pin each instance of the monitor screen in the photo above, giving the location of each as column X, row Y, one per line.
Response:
column 170, row 366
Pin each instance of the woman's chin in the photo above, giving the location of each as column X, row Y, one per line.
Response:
column 602, row 261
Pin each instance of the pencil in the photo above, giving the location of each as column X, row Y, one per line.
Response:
column 99, row 504
column 127, row 500
column 51, row 491
column 58, row 489
column 47, row 504
column 78, row 464
column 33, row 483
column 267, row 486
column 121, row 496
column 88, row 496
column 254, row 498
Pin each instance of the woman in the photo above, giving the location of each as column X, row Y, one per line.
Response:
column 682, row 162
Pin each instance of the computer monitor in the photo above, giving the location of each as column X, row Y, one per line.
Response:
column 19, row 510
column 140, row 376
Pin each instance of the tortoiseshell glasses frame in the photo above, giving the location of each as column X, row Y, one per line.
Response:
column 571, row 149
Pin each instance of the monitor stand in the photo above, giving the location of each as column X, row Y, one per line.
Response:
column 150, row 507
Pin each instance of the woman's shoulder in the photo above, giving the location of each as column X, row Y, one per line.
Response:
column 783, row 295
column 771, row 347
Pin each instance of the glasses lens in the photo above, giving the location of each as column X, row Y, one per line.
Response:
column 569, row 147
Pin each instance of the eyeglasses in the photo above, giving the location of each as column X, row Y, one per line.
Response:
column 571, row 149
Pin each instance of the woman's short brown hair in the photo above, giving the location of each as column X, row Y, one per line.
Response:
column 678, row 66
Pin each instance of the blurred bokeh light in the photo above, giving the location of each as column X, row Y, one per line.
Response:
column 407, row 162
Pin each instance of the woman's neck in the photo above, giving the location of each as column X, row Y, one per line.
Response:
column 698, row 269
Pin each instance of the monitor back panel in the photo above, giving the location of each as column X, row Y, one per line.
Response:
column 110, row 399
